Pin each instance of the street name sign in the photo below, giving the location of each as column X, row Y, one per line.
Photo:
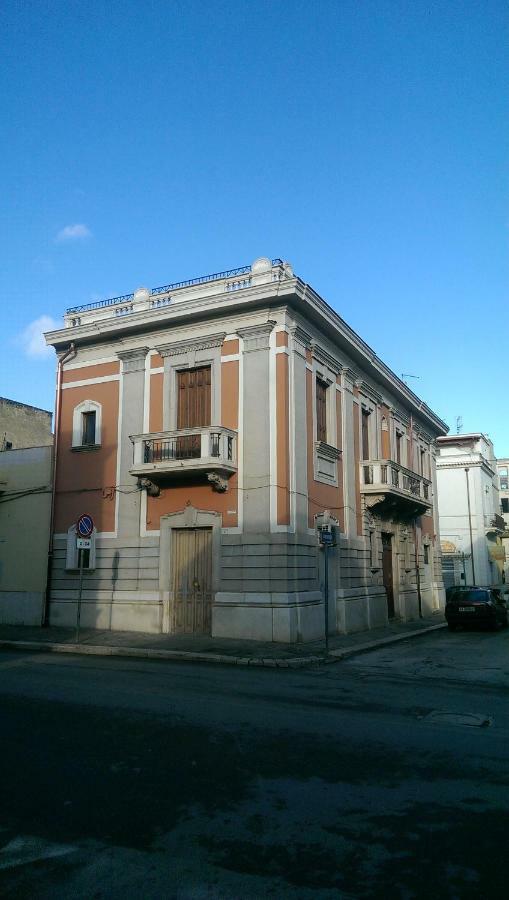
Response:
column 83, row 543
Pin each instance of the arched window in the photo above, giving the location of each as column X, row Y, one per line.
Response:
column 86, row 425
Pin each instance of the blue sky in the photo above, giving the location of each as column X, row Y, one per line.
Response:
column 365, row 142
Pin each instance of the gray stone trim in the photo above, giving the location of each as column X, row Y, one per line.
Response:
column 133, row 360
column 325, row 358
column 187, row 518
column 256, row 337
column 327, row 451
column 191, row 345
column 369, row 391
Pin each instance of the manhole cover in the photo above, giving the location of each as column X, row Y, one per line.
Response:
column 472, row 720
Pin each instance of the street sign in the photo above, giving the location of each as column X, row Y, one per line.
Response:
column 84, row 526
column 326, row 535
column 83, row 543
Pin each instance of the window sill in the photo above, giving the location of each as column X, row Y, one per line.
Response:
column 85, row 448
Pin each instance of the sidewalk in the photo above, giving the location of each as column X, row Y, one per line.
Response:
column 202, row 648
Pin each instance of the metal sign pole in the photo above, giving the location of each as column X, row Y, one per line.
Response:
column 326, row 597
column 80, row 591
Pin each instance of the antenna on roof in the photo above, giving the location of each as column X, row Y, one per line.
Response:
column 459, row 424
column 405, row 375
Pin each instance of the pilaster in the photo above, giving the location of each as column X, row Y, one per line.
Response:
column 257, row 427
column 131, row 422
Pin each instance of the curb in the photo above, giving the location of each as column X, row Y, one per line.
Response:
column 292, row 662
column 383, row 642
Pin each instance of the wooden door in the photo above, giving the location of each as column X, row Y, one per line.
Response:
column 387, row 572
column 191, row 580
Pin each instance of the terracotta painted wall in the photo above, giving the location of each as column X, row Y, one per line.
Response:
column 156, row 402
column 175, row 497
column 102, row 370
column 229, row 348
column 86, row 479
column 322, row 496
column 230, row 394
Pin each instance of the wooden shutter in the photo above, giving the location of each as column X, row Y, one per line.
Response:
column 321, row 411
column 365, row 434
column 193, row 389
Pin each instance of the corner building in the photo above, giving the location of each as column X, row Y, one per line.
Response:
column 206, row 426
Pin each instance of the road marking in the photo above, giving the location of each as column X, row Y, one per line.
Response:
column 22, row 851
column 472, row 720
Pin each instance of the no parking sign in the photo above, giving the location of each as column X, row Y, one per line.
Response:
column 84, row 526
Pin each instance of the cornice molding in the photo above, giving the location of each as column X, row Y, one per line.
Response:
column 133, row 360
column 327, row 451
column 370, row 392
column 325, row 358
column 256, row 337
column 189, row 345
column 349, row 375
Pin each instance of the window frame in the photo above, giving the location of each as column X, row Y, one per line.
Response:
column 321, row 408
column 86, row 406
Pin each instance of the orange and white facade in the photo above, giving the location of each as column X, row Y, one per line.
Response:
column 206, row 426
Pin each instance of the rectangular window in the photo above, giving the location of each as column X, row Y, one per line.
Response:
column 422, row 462
column 84, row 559
column 505, row 505
column 321, row 410
column 399, row 438
column 193, row 397
column 504, row 484
column 88, row 428
column 365, row 433
column 426, row 554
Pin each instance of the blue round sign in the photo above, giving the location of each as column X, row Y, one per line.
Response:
column 85, row 526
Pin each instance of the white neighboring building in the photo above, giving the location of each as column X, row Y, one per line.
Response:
column 503, row 474
column 26, row 472
column 471, row 526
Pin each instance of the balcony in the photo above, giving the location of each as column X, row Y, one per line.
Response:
column 203, row 454
column 387, row 486
column 495, row 522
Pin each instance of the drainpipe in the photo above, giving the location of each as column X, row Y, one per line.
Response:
column 58, row 404
column 470, row 527
column 417, row 571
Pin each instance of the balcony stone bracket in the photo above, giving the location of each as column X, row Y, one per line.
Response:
column 218, row 483
column 374, row 500
column 153, row 490
column 397, row 509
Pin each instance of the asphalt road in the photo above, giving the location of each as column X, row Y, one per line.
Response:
column 384, row 776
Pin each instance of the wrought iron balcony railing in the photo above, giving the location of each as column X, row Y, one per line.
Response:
column 234, row 274
column 384, row 477
column 207, row 449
